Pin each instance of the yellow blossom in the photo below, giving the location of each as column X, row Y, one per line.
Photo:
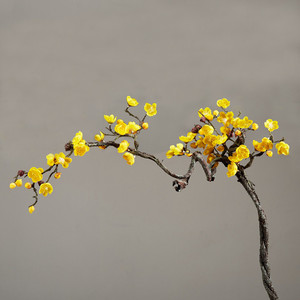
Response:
column 45, row 189
column 245, row 122
column 31, row 209
column 12, row 185
column 129, row 158
column 123, row 146
column 35, row 174
column 237, row 132
column 216, row 113
column 57, row 175
column 110, row 119
column 145, row 125
column 200, row 143
column 254, row 126
column 190, row 136
column 269, row 153
column 271, row 125
column 224, row 103
column 225, row 118
column 206, row 130
column 133, row 127
column 220, row 139
column 121, row 127
column 221, row 148
column 205, row 113
column 77, row 138
column 27, row 185
column 81, row 148
column 232, row 169
column 131, row 101
column 50, row 159
column 225, row 130
column 208, row 150
column 283, row 148
column 18, row 182
column 265, row 145
column 178, row 150
column 150, row 109
column 99, row 137
column 210, row 158
column 243, row 152
column 61, row 159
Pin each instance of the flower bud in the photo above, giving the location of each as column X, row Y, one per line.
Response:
column 238, row 132
column 203, row 119
column 145, row 125
column 18, row 182
column 57, row 175
column 21, row 173
column 196, row 128
column 12, row 185
column 69, row 146
column 31, row 209
column 27, row 185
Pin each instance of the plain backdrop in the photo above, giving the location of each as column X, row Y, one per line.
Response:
column 113, row 231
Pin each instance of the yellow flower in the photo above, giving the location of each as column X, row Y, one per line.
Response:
column 178, row 150
column 18, row 182
column 232, row 169
column 208, row 150
column 242, row 152
column 220, row 139
column 81, row 148
column 221, row 148
column 210, row 158
column 77, row 138
column 271, row 125
column 45, row 189
column 50, row 159
column 99, row 137
column 234, row 158
column 225, row 130
column 190, row 136
column 121, row 127
column 265, row 145
column 224, row 103
column 150, row 109
column 57, row 175
column 283, row 148
column 245, row 122
column 27, row 185
column 31, row 209
column 206, row 130
column 225, row 118
column 129, row 158
column 131, row 101
column 254, row 126
column 205, row 113
column 123, row 146
column 12, row 185
column 269, row 153
column 237, row 132
column 200, row 143
column 145, row 125
column 215, row 113
column 110, row 119
column 35, row 174
column 61, row 159
column 133, row 127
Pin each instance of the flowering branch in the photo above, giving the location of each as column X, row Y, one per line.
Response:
column 204, row 144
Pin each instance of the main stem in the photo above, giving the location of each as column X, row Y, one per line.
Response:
column 263, row 234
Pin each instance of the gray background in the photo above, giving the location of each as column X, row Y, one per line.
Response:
column 111, row 231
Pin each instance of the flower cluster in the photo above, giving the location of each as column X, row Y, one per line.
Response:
column 228, row 144
column 80, row 147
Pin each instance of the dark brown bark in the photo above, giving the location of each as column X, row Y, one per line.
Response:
column 263, row 233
